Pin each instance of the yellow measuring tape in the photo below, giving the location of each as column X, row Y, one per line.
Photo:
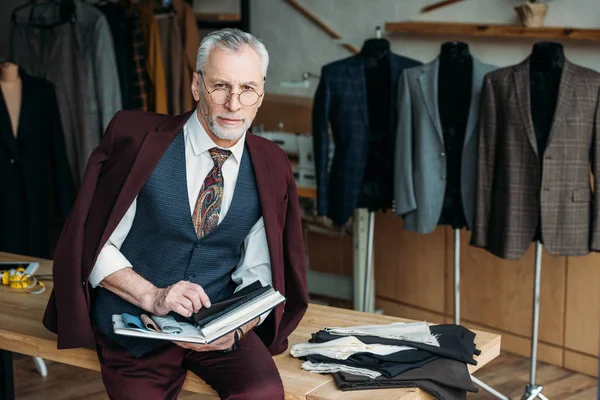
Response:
column 16, row 278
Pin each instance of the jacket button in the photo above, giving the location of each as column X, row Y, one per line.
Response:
column 12, row 160
column 443, row 154
column 83, row 283
column 443, row 177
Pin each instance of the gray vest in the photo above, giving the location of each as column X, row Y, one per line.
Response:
column 163, row 247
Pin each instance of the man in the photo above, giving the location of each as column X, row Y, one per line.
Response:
column 175, row 213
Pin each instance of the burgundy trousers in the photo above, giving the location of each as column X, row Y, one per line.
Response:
column 247, row 373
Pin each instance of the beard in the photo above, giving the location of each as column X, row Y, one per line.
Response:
column 223, row 132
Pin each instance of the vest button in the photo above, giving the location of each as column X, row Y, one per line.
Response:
column 191, row 275
column 198, row 244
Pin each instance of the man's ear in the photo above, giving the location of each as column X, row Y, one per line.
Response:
column 196, row 86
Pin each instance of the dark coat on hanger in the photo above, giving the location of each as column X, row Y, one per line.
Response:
column 515, row 184
column 34, row 173
column 341, row 100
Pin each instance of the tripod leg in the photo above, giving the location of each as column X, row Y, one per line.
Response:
column 457, row 276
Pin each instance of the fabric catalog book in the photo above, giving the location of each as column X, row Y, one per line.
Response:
column 208, row 324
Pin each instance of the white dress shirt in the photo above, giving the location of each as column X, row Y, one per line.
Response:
column 254, row 264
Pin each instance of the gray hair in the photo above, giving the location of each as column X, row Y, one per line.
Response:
column 231, row 39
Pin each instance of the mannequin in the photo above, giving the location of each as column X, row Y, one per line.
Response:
column 545, row 70
column 376, row 193
column 11, row 85
column 454, row 100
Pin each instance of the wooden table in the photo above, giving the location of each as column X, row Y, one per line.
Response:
column 21, row 331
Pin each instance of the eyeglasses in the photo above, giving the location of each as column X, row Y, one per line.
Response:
column 222, row 96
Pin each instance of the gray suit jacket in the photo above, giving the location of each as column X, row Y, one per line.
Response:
column 420, row 164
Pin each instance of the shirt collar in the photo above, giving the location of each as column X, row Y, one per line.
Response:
column 201, row 142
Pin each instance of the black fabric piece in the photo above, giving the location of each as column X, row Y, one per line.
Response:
column 545, row 71
column 376, row 190
column 456, row 342
column 38, row 189
column 117, row 18
column 444, row 379
column 370, row 361
column 455, row 81
column 238, row 299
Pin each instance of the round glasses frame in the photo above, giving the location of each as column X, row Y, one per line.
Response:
column 223, row 96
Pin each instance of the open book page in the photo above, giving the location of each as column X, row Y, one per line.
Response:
column 188, row 332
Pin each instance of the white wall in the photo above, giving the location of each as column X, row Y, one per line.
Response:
column 296, row 45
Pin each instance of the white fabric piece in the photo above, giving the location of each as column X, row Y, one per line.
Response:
column 413, row 332
column 341, row 349
column 326, row 368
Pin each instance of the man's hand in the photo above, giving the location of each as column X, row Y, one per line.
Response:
column 220, row 344
column 183, row 297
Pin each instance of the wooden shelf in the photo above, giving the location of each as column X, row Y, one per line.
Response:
column 307, row 192
column 490, row 30
column 217, row 17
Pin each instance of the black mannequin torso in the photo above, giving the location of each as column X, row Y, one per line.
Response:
column 376, row 193
column 545, row 69
column 454, row 101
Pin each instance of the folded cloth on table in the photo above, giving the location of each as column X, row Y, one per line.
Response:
column 388, row 369
column 343, row 348
column 412, row 332
column 455, row 342
column 322, row 368
column 443, row 378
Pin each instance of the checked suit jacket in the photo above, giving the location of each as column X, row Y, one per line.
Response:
column 516, row 185
column 341, row 102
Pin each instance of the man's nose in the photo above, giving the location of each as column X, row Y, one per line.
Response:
column 234, row 103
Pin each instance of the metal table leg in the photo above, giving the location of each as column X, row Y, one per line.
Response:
column 7, row 388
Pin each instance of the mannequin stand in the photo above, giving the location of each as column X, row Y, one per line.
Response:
column 364, row 288
column 479, row 383
column 533, row 391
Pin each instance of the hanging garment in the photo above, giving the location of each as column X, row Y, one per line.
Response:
column 170, row 43
column 56, row 54
column 34, row 171
column 102, row 77
column 157, row 87
column 120, row 29
column 420, row 177
column 516, row 183
column 137, row 64
column 190, row 43
column 341, row 102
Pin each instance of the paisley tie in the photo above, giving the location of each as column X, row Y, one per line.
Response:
column 208, row 204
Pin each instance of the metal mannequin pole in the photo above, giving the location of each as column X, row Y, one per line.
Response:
column 368, row 301
column 533, row 391
column 479, row 383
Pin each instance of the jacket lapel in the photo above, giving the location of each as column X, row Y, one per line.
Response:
column 356, row 71
column 151, row 150
column 478, row 74
column 6, row 130
column 521, row 85
column 428, row 82
column 565, row 91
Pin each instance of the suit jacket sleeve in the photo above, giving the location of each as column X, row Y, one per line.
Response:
column 64, row 190
column 67, row 312
column 106, row 73
column 404, row 189
column 486, row 159
column 296, row 292
column 320, row 125
column 595, row 228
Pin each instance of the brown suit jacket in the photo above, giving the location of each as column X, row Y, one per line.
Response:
column 511, row 195
column 116, row 172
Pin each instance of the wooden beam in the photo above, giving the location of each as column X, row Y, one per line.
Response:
column 317, row 21
column 438, row 5
column 217, row 17
column 490, row 30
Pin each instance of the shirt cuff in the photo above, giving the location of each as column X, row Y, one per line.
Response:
column 110, row 260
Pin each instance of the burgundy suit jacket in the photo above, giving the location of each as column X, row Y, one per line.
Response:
column 116, row 172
